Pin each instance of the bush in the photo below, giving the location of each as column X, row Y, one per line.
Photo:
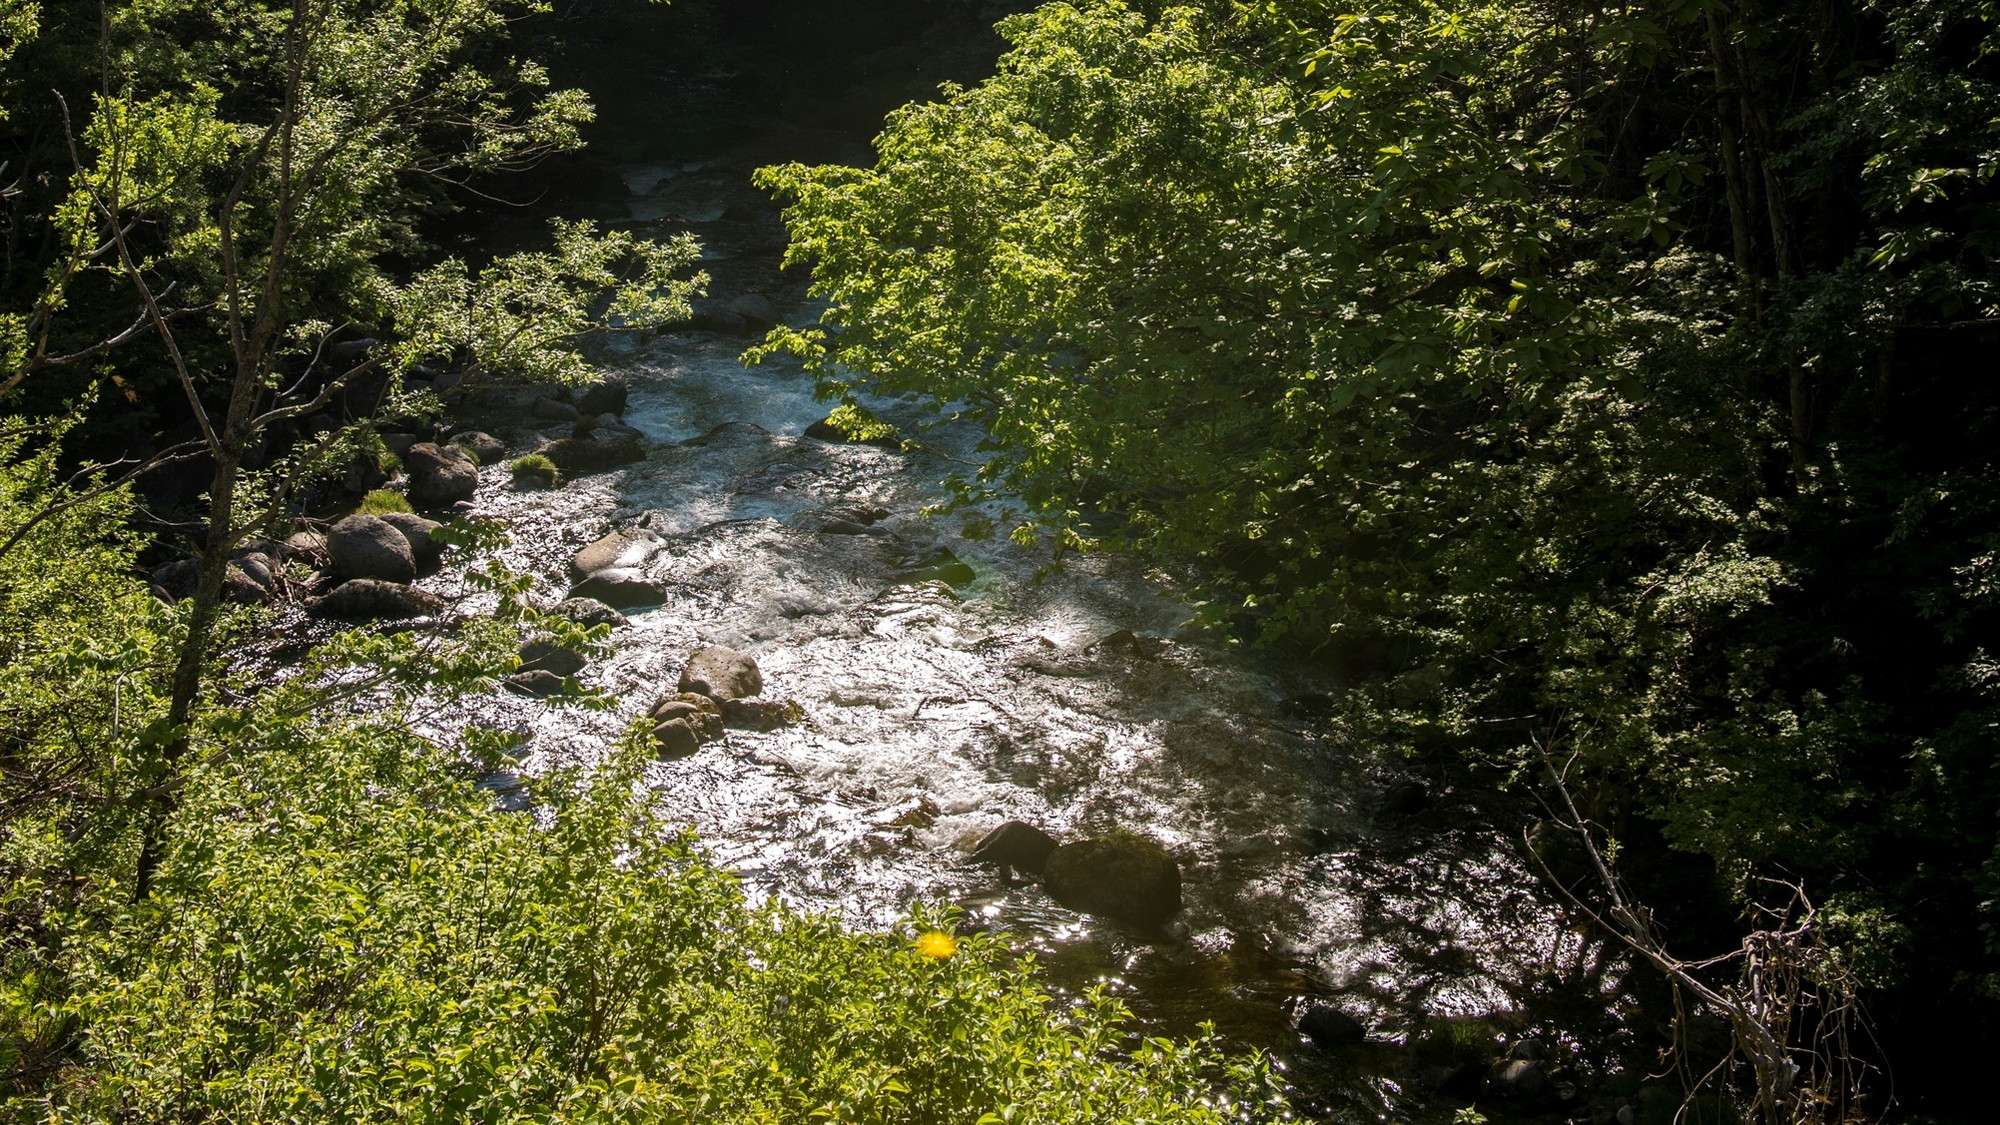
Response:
column 348, row 930
column 534, row 470
column 381, row 501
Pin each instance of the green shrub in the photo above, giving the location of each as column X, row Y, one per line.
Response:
column 347, row 930
column 382, row 500
column 534, row 468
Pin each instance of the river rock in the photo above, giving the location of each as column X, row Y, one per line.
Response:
column 757, row 311
column 621, row 549
column 1124, row 876
column 484, row 447
column 604, row 398
column 371, row 599
column 440, row 475
column 1406, row 798
column 721, row 674
column 308, row 547
column 369, row 547
column 1015, row 846
column 621, row 588
column 596, row 454
column 1524, row 1081
column 761, row 714
column 674, row 738
column 554, row 410
column 547, row 656
column 417, row 530
column 1328, row 1026
column 701, row 714
column 535, row 683
column 589, row 611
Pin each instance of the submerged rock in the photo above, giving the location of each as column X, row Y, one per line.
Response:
column 589, row 611
column 1015, row 846
column 1123, row 876
column 1328, row 1026
column 370, row 547
column 761, row 714
column 547, row 656
column 622, row 549
column 536, row 683
column 721, row 674
column 621, row 588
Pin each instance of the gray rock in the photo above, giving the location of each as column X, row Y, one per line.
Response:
column 624, row 549
column 604, row 398
column 589, row 611
column 601, row 453
column 721, row 674
column 399, row 444
column 1126, row 877
column 417, row 530
column 552, row 410
column 1015, row 846
column 369, row 547
column 547, row 656
column 484, row 447
column 1328, row 1026
column 620, row 588
column 440, row 475
column 371, row 599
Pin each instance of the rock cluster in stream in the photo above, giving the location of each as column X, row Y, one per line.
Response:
column 716, row 691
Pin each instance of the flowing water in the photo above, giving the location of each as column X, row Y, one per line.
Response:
column 1079, row 701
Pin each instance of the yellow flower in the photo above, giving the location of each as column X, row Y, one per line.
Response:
column 936, row 944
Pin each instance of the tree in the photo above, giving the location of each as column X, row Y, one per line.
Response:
column 240, row 174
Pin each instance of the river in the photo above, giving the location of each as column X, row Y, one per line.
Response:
column 1080, row 700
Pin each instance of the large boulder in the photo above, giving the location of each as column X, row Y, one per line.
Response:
column 628, row 548
column 417, row 530
column 440, row 475
column 721, row 674
column 1122, row 876
column 370, row 547
column 621, row 588
column 1015, row 846
column 578, row 456
column 371, row 599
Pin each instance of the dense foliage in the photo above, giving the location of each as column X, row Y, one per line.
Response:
column 1599, row 385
